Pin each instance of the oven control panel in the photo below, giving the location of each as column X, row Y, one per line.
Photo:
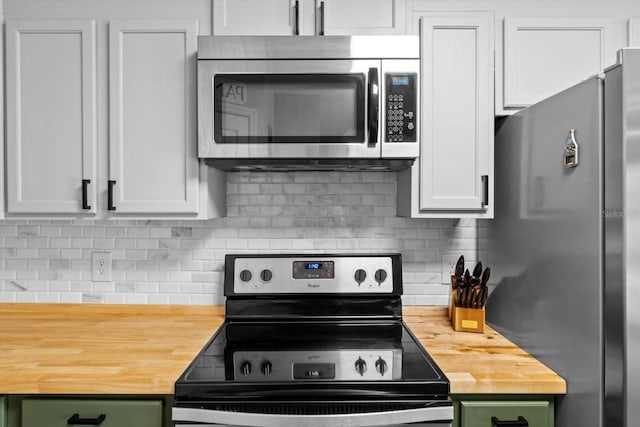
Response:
column 337, row 365
column 312, row 275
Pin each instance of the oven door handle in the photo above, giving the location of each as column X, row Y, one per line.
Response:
column 374, row 102
column 366, row 419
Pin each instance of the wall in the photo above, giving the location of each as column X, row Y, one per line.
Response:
column 181, row 262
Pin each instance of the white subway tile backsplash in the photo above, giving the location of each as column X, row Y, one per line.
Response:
column 69, row 298
column 182, row 261
column 28, row 230
column 158, row 299
column 22, row 275
column 7, row 274
column 13, row 264
column 13, row 243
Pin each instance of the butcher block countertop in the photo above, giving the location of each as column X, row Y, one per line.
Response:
column 142, row 349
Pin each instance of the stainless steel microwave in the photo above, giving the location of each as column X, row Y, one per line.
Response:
column 321, row 102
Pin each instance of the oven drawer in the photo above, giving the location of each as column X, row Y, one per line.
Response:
column 525, row 413
column 440, row 415
column 329, row 424
column 58, row 412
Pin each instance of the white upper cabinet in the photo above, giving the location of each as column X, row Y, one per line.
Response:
column 2, row 208
column 543, row 56
column 153, row 164
column 543, row 48
column 634, row 33
column 308, row 17
column 256, row 17
column 101, row 110
column 51, row 117
column 454, row 175
column 348, row 17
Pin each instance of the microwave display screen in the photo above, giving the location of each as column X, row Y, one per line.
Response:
column 289, row 108
column 400, row 80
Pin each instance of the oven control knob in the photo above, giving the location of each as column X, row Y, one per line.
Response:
column 381, row 276
column 266, row 275
column 246, row 368
column 381, row 366
column 360, row 275
column 361, row 366
column 266, row 368
column 245, row 275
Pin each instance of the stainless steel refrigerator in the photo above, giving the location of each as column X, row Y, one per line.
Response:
column 564, row 247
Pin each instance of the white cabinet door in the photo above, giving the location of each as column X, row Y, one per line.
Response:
column 543, row 56
column 2, row 172
column 51, row 116
column 634, row 32
column 350, row 17
column 255, row 17
column 454, row 174
column 153, row 164
column 308, row 17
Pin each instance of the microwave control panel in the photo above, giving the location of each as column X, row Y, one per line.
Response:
column 400, row 120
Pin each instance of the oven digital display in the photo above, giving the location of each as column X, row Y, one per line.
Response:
column 314, row 371
column 313, row 270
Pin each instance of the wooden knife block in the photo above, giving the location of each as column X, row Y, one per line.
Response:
column 465, row 319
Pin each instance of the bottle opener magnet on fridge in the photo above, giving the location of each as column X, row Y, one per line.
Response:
column 571, row 150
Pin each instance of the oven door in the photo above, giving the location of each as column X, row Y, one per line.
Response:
column 289, row 109
column 437, row 415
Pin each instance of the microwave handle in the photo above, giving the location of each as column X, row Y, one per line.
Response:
column 296, row 9
column 321, row 32
column 374, row 101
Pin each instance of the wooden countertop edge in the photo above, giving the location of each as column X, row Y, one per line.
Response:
column 519, row 372
column 476, row 346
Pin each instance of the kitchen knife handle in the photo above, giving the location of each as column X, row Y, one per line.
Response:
column 374, row 99
column 485, row 190
column 296, row 9
column 321, row 32
column 76, row 420
column 110, row 196
column 521, row 422
column 85, row 192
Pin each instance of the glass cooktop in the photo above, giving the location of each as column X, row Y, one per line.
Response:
column 313, row 352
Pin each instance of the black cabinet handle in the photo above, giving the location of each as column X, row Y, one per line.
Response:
column 110, row 196
column 521, row 422
column 85, row 197
column 374, row 93
column 321, row 19
column 485, row 190
column 296, row 9
column 76, row 420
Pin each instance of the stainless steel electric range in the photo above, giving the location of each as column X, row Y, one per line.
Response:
column 313, row 340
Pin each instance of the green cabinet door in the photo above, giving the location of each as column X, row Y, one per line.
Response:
column 102, row 412
column 482, row 413
column 3, row 411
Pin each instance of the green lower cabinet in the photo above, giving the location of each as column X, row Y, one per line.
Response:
column 105, row 413
column 505, row 413
column 3, row 411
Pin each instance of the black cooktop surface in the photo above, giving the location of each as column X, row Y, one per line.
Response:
column 375, row 359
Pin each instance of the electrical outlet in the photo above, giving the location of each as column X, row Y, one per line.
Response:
column 448, row 267
column 101, row 266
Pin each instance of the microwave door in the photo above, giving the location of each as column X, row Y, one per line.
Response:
column 289, row 109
